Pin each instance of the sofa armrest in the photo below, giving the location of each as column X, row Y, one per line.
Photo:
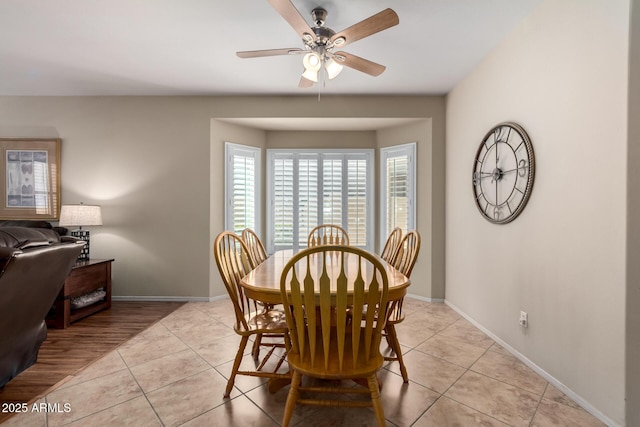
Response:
column 67, row 239
column 5, row 256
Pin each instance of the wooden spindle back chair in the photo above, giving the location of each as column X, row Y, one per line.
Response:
column 391, row 245
column 254, row 244
column 258, row 255
column 251, row 317
column 403, row 260
column 327, row 234
column 326, row 342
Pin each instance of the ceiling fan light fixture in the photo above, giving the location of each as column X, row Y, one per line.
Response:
column 333, row 68
column 311, row 75
column 312, row 61
column 320, row 41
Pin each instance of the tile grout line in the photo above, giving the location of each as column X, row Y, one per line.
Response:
column 215, row 369
column 468, row 369
column 141, row 389
column 538, row 405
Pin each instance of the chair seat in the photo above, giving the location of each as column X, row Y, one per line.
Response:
column 362, row 368
column 265, row 322
column 396, row 316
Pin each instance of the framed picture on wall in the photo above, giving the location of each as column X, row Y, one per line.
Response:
column 30, row 178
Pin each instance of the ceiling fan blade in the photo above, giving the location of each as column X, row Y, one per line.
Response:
column 293, row 17
column 373, row 24
column 268, row 52
column 360, row 64
column 304, row 83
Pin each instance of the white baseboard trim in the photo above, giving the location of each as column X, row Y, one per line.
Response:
column 421, row 298
column 164, row 298
column 544, row 374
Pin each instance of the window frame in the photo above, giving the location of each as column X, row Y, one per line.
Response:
column 230, row 150
column 409, row 150
column 345, row 154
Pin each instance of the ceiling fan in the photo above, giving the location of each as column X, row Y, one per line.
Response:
column 321, row 43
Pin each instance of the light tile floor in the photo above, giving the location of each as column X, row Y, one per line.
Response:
column 174, row 373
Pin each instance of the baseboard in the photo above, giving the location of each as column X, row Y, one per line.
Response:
column 166, row 299
column 544, row 374
column 421, row 298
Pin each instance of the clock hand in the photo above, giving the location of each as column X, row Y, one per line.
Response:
column 486, row 175
column 513, row 170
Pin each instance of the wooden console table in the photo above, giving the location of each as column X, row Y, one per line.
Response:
column 85, row 277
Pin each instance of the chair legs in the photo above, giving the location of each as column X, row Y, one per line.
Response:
column 236, row 365
column 376, row 402
column 371, row 383
column 392, row 339
column 255, row 351
column 292, row 398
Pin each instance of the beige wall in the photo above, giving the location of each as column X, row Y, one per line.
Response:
column 222, row 132
column 322, row 140
column 155, row 164
column 633, row 224
column 146, row 161
column 427, row 278
column 562, row 75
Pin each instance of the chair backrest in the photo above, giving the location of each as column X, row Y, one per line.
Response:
column 391, row 245
column 407, row 252
column 321, row 288
column 254, row 244
column 327, row 234
column 234, row 262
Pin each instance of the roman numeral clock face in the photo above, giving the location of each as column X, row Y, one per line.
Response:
column 503, row 173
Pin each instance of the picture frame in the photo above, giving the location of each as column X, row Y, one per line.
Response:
column 30, row 178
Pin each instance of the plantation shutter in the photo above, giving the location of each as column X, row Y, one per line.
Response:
column 398, row 188
column 397, row 201
column 308, row 203
column 332, row 191
column 357, row 201
column 310, row 188
column 242, row 187
column 283, row 202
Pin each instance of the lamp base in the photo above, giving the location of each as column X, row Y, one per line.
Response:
column 82, row 235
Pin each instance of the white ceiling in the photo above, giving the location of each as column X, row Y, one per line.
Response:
column 187, row 47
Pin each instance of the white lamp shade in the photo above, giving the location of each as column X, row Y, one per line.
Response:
column 311, row 75
column 312, row 64
column 333, row 68
column 312, row 61
column 80, row 215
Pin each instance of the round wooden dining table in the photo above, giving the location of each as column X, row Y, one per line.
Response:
column 263, row 282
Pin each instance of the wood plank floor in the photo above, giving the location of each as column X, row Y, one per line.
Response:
column 66, row 351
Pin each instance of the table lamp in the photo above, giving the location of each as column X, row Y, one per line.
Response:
column 80, row 215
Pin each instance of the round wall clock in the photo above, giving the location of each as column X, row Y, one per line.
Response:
column 503, row 173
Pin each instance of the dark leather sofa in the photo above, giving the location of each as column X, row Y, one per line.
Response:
column 34, row 263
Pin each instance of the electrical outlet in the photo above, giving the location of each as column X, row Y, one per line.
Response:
column 524, row 319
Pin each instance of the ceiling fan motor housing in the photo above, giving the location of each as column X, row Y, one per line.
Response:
column 322, row 33
column 319, row 15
